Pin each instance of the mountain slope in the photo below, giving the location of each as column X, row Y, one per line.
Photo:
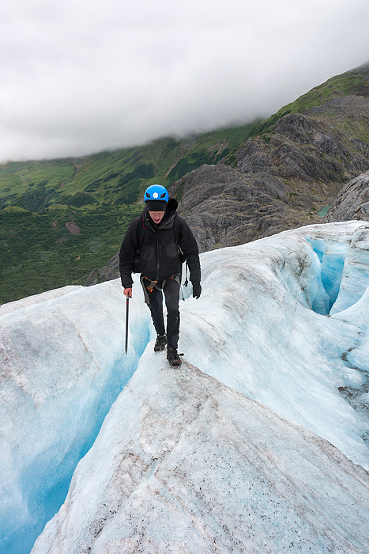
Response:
column 353, row 83
column 113, row 177
column 286, row 174
column 97, row 195
column 292, row 168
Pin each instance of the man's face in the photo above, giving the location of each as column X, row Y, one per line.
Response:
column 156, row 216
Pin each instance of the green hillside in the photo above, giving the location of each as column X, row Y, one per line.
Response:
column 96, row 197
column 57, row 247
column 118, row 177
column 354, row 82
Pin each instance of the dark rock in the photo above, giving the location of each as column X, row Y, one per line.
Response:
column 297, row 127
column 253, row 158
column 310, row 148
column 225, row 207
column 73, row 228
column 306, row 165
column 352, row 202
column 107, row 273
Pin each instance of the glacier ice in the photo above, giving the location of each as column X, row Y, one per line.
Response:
column 197, row 467
column 61, row 359
column 278, row 339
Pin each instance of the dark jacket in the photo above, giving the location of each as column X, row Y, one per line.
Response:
column 160, row 259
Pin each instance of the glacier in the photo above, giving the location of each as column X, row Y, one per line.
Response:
column 259, row 443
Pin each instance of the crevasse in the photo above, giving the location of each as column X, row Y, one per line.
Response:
column 332, row 257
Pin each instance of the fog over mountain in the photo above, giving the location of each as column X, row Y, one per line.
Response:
column 79, row 77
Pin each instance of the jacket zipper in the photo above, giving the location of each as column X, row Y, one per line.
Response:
column 158, row 251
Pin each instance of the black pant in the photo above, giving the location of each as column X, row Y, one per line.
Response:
column 171, row 293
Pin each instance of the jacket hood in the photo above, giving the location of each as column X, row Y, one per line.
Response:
column 172, row 205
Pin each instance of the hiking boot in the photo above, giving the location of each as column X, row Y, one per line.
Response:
column 161, row 341
column 173, row 357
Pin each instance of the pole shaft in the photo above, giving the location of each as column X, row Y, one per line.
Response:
column 127, row 314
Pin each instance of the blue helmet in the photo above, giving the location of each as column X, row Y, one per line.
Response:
column 156, row 192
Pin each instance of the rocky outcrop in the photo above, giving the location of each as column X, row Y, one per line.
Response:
column 73, row 228
column 278, row 180
column 107, row 273
column 306, row 148
column 352, row 202
column 225, row 207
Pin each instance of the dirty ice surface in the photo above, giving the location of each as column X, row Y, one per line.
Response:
column 259, row 443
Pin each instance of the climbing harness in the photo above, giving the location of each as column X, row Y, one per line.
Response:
column 148, row 285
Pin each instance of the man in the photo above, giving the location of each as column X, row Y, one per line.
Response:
column 163, row 239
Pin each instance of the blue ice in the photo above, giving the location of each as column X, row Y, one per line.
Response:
column 332, row 257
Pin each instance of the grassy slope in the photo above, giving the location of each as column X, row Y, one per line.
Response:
column 99, row 193
column 39, row 253
column 117, row 177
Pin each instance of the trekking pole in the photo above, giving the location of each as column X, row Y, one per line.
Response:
column 127, row 313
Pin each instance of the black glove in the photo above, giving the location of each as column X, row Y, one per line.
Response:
column 196, row 291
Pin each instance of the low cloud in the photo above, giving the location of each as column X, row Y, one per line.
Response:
column 83, row 76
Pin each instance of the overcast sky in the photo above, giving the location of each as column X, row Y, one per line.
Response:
column 81, row 76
